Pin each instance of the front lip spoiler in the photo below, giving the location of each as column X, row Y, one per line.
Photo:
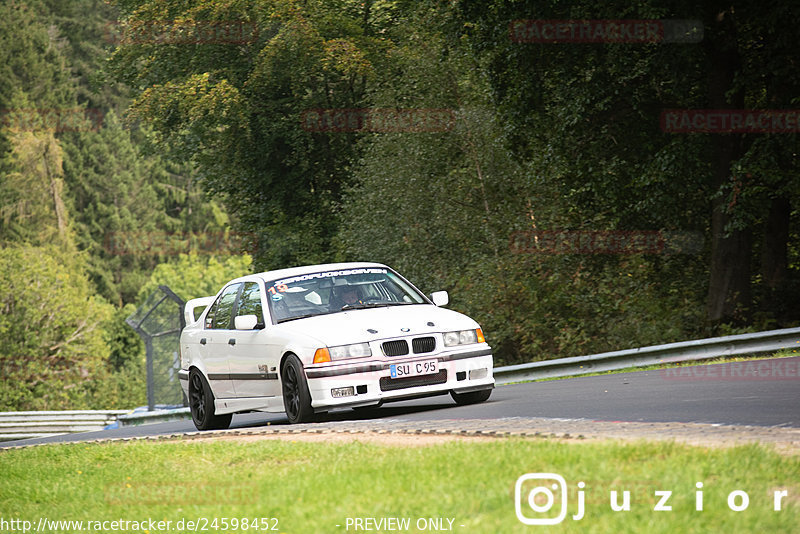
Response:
column 326, row 373
column 408, row 396
column 470, row 389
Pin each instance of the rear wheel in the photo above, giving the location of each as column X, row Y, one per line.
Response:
column 201, row 404
column 473, row 397
column 296, row 397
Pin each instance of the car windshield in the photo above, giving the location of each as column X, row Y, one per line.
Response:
column 326, row 292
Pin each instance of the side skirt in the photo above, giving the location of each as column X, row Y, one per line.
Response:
column 261, row 404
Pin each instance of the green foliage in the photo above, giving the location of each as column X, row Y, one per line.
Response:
column 124, row 198
column 546, row 307
column 194, row 276
column 84, row 34
column 68, row 195
column 29, row 61
column 33, row 206
column 115, row 197
column 123, row 389
column 595, row 108
column 51, row 325
column 546, row 137
column 470, row 481
column 443, row 208
column 125, row 347
column 236, row 109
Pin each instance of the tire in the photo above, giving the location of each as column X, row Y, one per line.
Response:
column 473, row 397
column 296, row 397
column 201, row 404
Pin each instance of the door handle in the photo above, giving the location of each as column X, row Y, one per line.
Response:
column 232, row 341
column 203, row 341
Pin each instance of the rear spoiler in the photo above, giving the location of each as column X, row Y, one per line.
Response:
column 192, row 305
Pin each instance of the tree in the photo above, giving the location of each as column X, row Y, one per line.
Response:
column 235, row 108
column 30, row 61
column 72, row 187
column 444, row 208
column 84, row 31
column 129, row 205
column 194, row 276
column 33, row 207
column 53, row 342
column 596, row 107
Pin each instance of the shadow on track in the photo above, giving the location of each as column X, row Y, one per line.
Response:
column 387, row 411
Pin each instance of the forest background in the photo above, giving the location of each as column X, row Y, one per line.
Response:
column 145, row 142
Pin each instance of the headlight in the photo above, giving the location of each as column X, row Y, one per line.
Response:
column 463, row 337
column 344, row 352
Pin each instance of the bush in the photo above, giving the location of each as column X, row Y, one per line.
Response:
column 52, row 329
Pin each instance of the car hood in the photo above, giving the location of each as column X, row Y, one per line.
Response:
column 371, row 324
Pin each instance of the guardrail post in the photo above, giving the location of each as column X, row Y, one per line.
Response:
column 148, row 350
column 161, row 316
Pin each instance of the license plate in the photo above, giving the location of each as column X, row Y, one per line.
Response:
column 402, row 370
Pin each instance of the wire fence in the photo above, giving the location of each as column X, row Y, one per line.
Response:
column 159, row 322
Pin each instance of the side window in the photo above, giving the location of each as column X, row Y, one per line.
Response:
column 210, row 315
column 250, row 301
column 223, row 308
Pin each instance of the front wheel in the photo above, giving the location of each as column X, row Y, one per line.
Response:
column 473, row 397
column 296, row 398
column 201, row 404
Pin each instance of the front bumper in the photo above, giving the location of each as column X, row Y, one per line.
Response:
column 371, row 382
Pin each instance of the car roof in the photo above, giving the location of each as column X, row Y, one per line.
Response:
column 307, row 269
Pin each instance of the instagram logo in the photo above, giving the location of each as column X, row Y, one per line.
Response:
column 535, row 495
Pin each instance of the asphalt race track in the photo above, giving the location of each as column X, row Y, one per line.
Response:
column 745, row 393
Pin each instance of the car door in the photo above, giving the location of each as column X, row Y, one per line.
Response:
column 218, row 328
column 253, row 362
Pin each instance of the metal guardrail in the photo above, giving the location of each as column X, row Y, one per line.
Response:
column 701, row 349
column 138, row 418
column 21, row 425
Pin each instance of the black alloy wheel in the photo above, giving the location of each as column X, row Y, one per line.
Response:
column 201, row 404
column 296, row 397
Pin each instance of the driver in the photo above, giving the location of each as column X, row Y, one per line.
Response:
column 347, row 296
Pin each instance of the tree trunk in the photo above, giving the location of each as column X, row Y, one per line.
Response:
column 774, row 255
column 729, row 296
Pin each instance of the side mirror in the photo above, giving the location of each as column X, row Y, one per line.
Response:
column 245, row 322
column 440, row 298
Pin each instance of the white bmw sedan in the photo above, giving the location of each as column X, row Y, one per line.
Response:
column 311, row 339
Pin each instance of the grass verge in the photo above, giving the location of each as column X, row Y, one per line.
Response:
column 316, row 487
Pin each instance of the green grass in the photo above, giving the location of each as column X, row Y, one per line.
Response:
column 786, row 353
column 313, row 487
